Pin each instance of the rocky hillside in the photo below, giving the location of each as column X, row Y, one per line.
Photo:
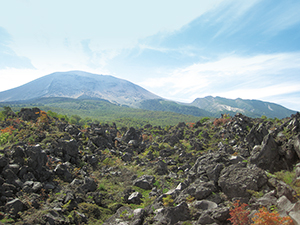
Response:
column 210, row 172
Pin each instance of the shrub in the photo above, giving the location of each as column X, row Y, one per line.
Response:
column 239, row 214
column 168, row 201
column 220, row 121
column 264, row 217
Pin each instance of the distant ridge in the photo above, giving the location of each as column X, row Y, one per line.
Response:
column 87, row 86
column 252, row 108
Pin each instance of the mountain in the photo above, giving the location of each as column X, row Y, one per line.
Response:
column 79, row 85
column 253, row 108
column 87, row 86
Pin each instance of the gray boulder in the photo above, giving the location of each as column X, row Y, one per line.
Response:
column 297, row 144
column 37, row 158
column 89, row 185
column 256, row 135
column 145, row 182
column 172, row 215
column 62, row 170
column 161, row 168
column 237, row 179
column 15, row 206
column 267, row 155
column 204, row 205
column 135, row 198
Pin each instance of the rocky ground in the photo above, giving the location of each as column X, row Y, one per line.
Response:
column 52, row 172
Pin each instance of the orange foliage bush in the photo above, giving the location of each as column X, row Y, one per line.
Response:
column 43, row 117
column 8, row 129
column 239, row 214
column 264, row 217
column 190, row 124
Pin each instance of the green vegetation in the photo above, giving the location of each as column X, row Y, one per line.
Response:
column 165, row 152
column 82, row 112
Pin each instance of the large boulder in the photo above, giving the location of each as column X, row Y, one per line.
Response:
column 69, row 150
column 172, row 215
column 237, row 179
column 14, row 206
column 297, row 145
column 266, row 156
column 256, row 135
column 37, row 158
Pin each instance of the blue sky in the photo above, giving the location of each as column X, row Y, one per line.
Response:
column 180, row 50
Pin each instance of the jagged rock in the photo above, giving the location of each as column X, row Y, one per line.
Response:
column 172, row 215
column 29, row 114
column 71, row 129
column 131, row 134
column 49, row 186
column 145, row 182
column 205, row 218
column 76, row 182
column 294, row 213
column 204, row 205
column 256, row 135
column 69, row 150
column 213, row 172
column 201, row 190
column 127, row 216
column 100, row 142
column 166, row 152
column 14, row 167
column 52, row 218
column 171, row 140
column 135, row 198
column 221, row 214
column 284, row 205
column 205, row 135
column 15, row 206
column 283, row 189
column 17, row 152
column 31, row 186
column 127, row 157
column 11, row 178
column 37, row 158
column 62, row 170
column 267, row 200
column 91, row 159
column 267, row 155
column 236, row 179
column 3, row 161
column 297, row 145
column 89, row 185
column 161, row 168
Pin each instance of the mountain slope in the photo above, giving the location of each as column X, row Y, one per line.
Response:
column 171, row 106
column 78, row 84
column 253, row 108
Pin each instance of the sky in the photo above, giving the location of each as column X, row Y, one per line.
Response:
column 179, row 50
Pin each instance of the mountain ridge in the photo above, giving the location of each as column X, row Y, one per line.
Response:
column 84, row 85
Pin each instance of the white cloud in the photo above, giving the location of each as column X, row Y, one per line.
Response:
column 253, row 77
